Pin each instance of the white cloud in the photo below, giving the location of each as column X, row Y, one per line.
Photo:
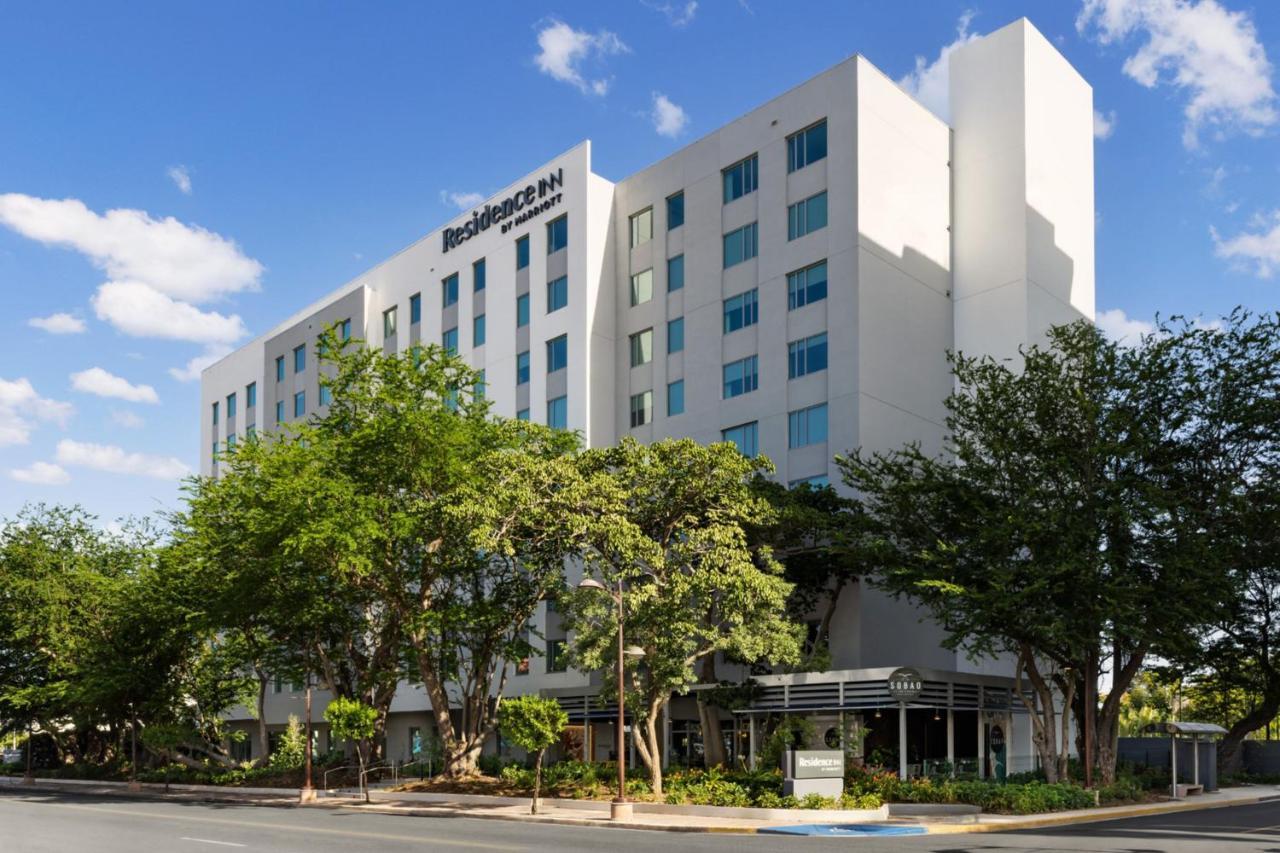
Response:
column 669, row 119
column 58, row 324
column 127, row 419
column 1121, row 328
column 1199, row 47
column 21, row 409
column 462, row 201
column 114, row 460
column 41, row 474
column 1259, row 250
column 930, row 81
column 1104, row 124
column 678, row 15
column 181, row 178
column 97, row 381
column 190, row 372
column 562, row 51
column 144, row 312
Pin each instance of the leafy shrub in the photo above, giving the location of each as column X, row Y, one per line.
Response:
column 860, row 801
column 817, row 801
column 1126, row 789
column 291, row 751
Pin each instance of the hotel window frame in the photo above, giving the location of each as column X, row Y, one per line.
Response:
column 479, row 274
column 478, row 330
column 644, row 277
column 522, row 252
column 742, row 310
column 449, row 290
column 641, row 226
column 641, row 345
column 741, row 178
column 449, row 340
column 522, row 310
column 415, row 308
column 801, row 426
column 558, row 234
column 558, row 406
column 641, row 409
column 299, row 404
column 675, row 273
column 799, row 355
column 750, row 437
column 215, row 412
column 675, row 335
column 675, row 390
column 524, row 361
column 740, row 376
column 800, row 288
column 746, row 241
column 802, row 215
column 557, row 353
column 299, row 359
column 675, row 203
column 251, row 395
column 231, row 406
column 389, row 322
column 557, row 293
column 801, row 146
column 279, row 368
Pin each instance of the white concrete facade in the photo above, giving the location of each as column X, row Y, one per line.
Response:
column 975, row 236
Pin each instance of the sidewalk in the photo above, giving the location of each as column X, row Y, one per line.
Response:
column 596, row 813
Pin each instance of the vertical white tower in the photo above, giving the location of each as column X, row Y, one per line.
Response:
column 1022, row 172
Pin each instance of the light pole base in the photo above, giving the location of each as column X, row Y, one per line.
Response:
column 134, row 785
column 307, row 795
column 29, row 779
column 620, row 810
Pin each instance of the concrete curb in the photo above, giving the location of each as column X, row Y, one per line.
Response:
column 1116, row 813
column 419, row 811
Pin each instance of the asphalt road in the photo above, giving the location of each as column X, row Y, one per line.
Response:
column 69, row 823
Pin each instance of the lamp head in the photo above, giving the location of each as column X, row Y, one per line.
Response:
column 633, row 652
column 591, row 583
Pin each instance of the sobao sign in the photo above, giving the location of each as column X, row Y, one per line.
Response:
column 905, row 684
column 520, row 207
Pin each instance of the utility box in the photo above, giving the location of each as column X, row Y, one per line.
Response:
column 813, row 771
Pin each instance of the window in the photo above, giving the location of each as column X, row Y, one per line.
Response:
column 522, row 252
column 300, row 359
column 522, row 415
column 807, row 146
column 389, row 323
column 415, row 741
column 675, row 273
column 326, row 395
column 415, row 308
column 820, row 481
column 557, row 660
column 280, row 368
column 558, row 413
column 279, row 411
column 299, row 404
column 675, row 335
column 805, row 217
column 641, row 287
column 740, row 245
column 477, row 389
column 344, row 329
column 231, row 406
column 215, row 414
column 477, row 331
column 557, row 353
column 557, row 294
column 807, row 356
column 250, row 432
column 477, row 275
column 641, row 227
column 522, row 310
column 741, row 178
column 807, row 426
column 231, row 442
column 741, row 377
column 449, row 286
column 642, row 348
column 675, row 210
column 214, row 455
column 449, row 340
column 641, row 409
column 675, row 398
column 522, row 368
column 806, row 286
column 557, row 234
column 741, row 311
column 251, row 395
column 745, row 437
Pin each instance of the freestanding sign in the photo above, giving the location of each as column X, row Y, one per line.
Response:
column 813, row 771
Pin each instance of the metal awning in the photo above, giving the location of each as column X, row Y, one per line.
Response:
column 1180, row 728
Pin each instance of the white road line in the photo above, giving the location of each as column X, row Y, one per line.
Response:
column 211, row 841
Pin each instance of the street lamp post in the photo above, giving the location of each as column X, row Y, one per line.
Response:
column 620, row 808
column 308, row 792
column 30, row 777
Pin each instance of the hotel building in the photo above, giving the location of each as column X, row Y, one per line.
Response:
column 791, row 282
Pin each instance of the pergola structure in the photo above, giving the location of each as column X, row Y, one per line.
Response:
column 1194, row 731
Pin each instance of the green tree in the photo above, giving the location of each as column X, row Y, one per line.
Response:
column 352, row 720
column 1074, row 487
column 670, row 529
column 291, row 751
column 533, row 723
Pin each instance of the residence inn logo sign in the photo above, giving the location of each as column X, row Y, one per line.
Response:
column 517, row 209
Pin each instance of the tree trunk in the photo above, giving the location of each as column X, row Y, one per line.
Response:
column 1044, row 732
column 537, row 781
column 264, row 742
column 1107, row 719
column 713, row 752
column 1230, row 752
column 649, row 747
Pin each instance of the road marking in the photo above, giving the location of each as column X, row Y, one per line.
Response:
column 211, row 841
column 275, row 827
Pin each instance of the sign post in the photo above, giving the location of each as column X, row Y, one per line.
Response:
column 905, row 684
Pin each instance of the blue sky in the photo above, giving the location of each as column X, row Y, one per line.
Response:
column 175, row 178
